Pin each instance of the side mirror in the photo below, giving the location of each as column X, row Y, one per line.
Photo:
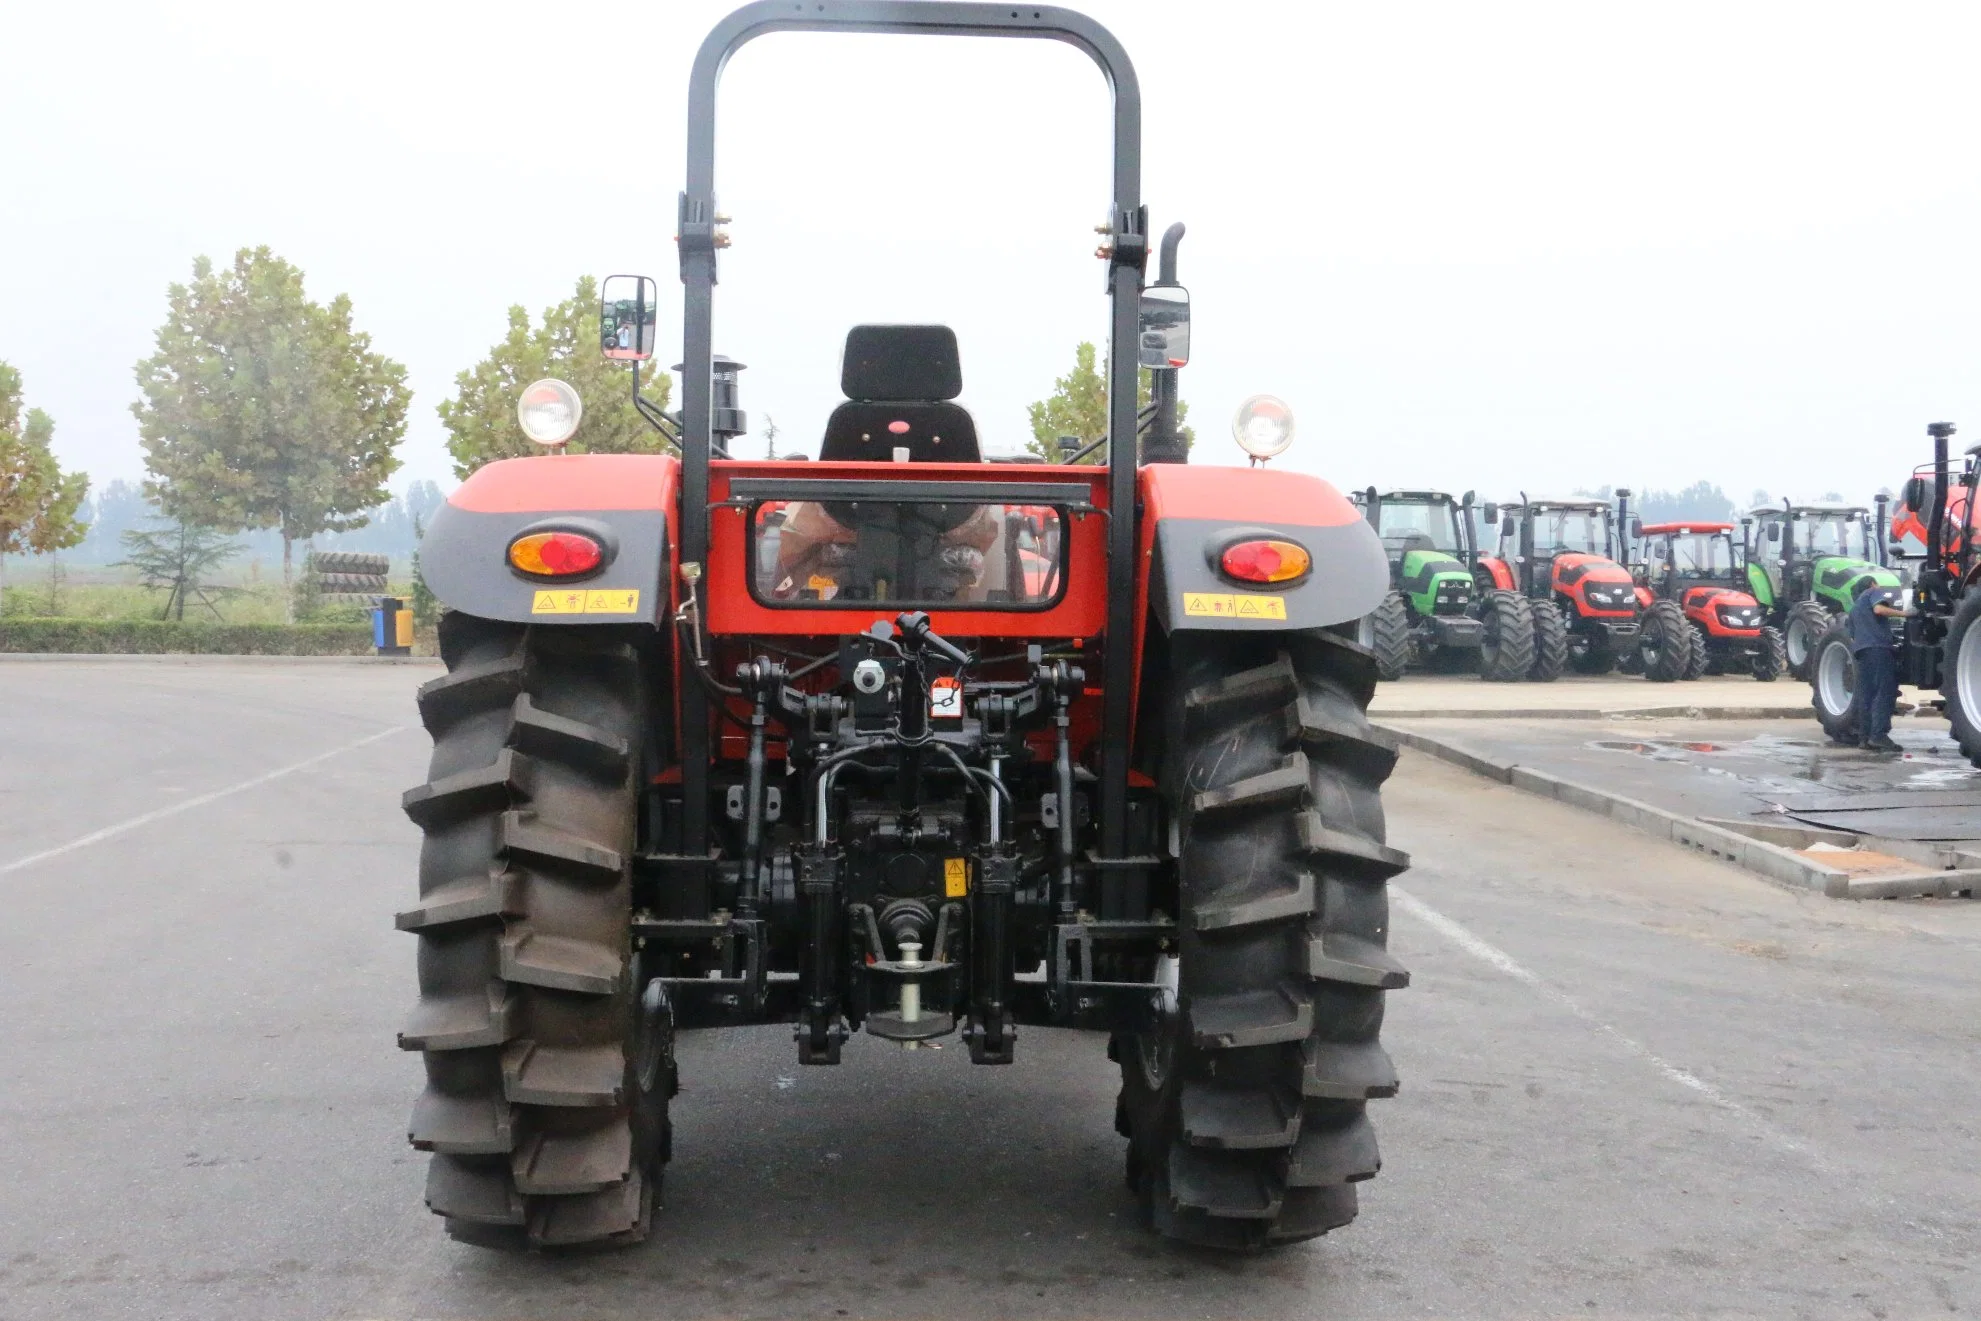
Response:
column 1636, row 528
column 1491, row 513
column 627, row 309
column 1774, row 531
column 1916, row 495
column 1164, row 331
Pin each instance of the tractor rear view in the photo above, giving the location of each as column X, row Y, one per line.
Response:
column 1698, row 567
column 1587, row 611
column 1939, row 640
column 1429, row 618
column 906, row 743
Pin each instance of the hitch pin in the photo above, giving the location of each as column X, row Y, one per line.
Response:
column 911, row 991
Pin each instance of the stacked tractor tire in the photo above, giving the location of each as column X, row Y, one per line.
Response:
column 349, row 577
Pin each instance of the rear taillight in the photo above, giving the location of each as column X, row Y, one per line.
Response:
column 1265, row 561
column 555, row 554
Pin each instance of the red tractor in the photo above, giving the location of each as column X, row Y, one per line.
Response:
column 905, row 742
column 1587, row 611
column 1699, row 567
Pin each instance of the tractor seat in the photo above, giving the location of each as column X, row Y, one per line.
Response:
column 900, row 382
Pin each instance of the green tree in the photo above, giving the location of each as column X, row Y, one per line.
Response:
column 177, row 557
column 38, row 501
column 263, row 409
column 481, row 417
column 1077, row 406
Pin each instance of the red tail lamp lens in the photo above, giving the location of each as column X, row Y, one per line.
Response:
column 555, row 554
column 1265, row 561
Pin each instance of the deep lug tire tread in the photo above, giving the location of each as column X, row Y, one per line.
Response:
column 1963, row 658
column 1696, row 662
column 1507, row 653
column 1665, row 626
column 1390, row 634
column 1550, row 642
column 526, row 1005
column 1813, row 620
column 1772, row 660
column 1256, row 1133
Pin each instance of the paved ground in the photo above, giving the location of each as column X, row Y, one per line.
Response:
column 1716, row 768
column 1448, row 695
column 1636, row 1082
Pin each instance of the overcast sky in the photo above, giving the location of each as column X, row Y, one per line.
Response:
column 1499, row 246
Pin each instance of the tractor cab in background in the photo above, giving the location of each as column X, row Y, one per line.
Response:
column 1805, row 564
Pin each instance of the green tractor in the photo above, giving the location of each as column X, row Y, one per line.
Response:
column 1804, row 564
column 1427, row 620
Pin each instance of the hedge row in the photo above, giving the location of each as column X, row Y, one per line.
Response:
column 123, row 637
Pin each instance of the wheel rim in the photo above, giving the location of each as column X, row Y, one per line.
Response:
column 1967, row 674
column 1833, row 679
column 1365, row 631
column 1155, row 1050
column 1797, row 642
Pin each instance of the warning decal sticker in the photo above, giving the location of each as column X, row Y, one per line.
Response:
column 1228, row 605
column 578, row 601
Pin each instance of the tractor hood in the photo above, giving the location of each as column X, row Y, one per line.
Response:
column 1723, row 610
column 1435, row 582
column 1836, row 577
column 1598, row 585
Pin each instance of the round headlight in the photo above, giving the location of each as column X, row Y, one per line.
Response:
column 1263, row 427
column 549, row 411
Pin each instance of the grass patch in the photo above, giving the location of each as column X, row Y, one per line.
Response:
column 127, row 637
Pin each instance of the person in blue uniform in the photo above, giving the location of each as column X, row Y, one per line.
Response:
column 1876, row 693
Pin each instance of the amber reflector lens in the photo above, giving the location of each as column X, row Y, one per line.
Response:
column 1265, row 561
column 555, row 554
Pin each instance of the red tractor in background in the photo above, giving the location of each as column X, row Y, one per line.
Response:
column 905, row 742
column 1699, row 567
column 1588, row 612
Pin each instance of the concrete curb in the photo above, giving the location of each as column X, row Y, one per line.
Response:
column 196, row 658
column 1753, row 852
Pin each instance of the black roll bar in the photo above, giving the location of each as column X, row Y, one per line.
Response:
column 1126, row 252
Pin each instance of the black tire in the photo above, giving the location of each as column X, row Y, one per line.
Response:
column 542, row 1133
column 1803, row 625
column 1245, row 1109
column 1664, row 642
column 1388, row 637
column 1506, row 648
column 1960, row 674
column 1701, row 656
column 345, row 561
column 1589, row 651
column 1832, row 679
column 1550, row 642
column 1771, row 659
column 350, row 582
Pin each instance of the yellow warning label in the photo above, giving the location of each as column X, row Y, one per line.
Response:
column 955, row 878
column 578, row 601
column 1228, row 605
column 818, row 582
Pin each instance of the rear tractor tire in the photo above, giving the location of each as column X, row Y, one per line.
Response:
column 1772, row 658
column 1245, row 1107
column 1960, row 675
column 1385, row 631
column 1664, row 642
column 1802, row 628
column 1506, row 647
column 546, row 1097
column 1832, row 681
column 1550, row 642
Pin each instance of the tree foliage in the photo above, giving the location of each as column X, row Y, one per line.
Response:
column 263, row 409
column 38, row 501
column 1077, row 407
column 177, row 557
column 481, row 417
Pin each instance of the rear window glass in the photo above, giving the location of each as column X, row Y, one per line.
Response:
column 907, row 552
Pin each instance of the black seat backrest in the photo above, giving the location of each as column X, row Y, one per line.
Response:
column 899, row 382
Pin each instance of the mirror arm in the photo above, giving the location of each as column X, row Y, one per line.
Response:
column 1083, row 452
column 650, row 412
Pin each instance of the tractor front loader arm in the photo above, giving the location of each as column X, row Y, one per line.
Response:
column 1194, row 516
column 611, row 566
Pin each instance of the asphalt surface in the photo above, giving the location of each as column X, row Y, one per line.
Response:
column 1636, row 1082
column 1727, row 768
